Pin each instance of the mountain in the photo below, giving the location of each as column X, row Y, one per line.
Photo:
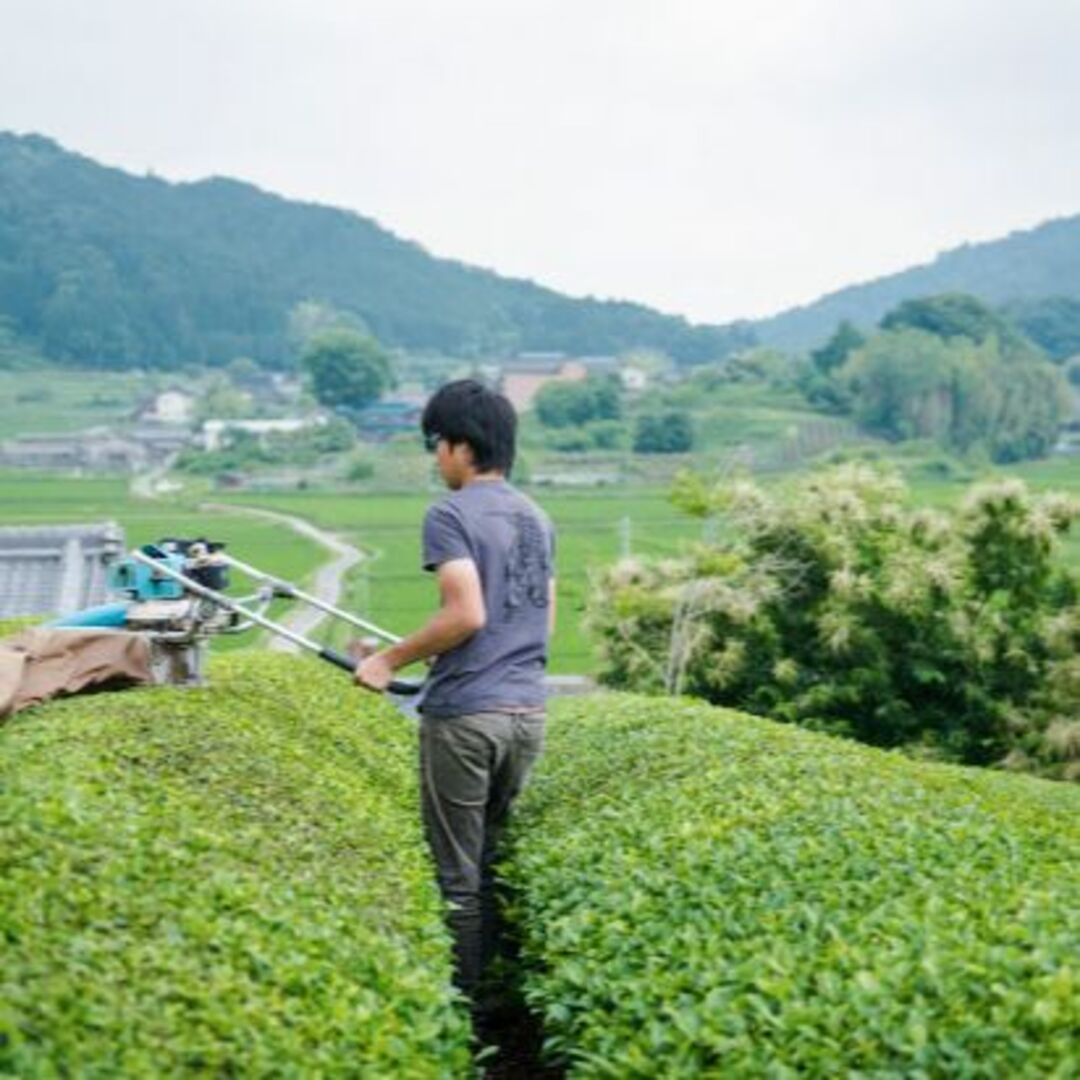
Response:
column 103, row 268
column 1026, row 266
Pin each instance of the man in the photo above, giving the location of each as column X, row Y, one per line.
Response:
column 482, row 713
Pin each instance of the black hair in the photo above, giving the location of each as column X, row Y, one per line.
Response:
column 466, row 411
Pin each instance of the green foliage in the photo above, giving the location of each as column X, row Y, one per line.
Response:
column 245, row 374
column 244, row 451
column 664, row 433
column 768, row 366
column 845, row 611
column 15, row 353
column 596, row 435
column 562, row 404
column 229, row 881
column 703, row 894
column 310, row 318
column 955, row 315
column 607, row 434
column 347, row 370
column 838, row 348
column 909, row 383
column 221, row 399
column 359, row 470
column 1053, row 323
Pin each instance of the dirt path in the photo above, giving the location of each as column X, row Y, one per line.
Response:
column 329, row 579
column 146, row 485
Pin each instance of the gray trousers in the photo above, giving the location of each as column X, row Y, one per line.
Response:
column 472, row 767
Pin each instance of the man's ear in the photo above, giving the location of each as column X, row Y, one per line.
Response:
column 464, row 453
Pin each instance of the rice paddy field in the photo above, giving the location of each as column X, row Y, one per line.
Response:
column 594, row 527
column 49, row 401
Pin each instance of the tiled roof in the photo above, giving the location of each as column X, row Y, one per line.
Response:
column 55, row 569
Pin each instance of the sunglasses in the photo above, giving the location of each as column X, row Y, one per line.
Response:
column 431, row 441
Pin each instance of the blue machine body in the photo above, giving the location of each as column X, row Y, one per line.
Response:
column 135, row 581
column 107, row 616
column 139, row 582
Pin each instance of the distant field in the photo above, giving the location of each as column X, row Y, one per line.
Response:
column 62, row 400
column 397, row 595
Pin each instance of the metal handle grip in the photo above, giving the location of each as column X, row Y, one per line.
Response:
column 346, row 663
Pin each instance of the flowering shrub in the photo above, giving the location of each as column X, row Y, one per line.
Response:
column 229, row 881
column 846, row 611
column 706, row 894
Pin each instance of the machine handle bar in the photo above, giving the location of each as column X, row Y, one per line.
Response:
column 346, row 663
column 336, row 658
column 287, row 589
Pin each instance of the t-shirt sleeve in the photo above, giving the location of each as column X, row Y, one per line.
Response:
column 444, row 538
column 551, row 547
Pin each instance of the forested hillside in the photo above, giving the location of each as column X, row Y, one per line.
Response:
column 106, row 269
column 1024, row 267
column 103, row 268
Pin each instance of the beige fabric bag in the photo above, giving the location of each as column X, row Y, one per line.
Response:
column 43, row 663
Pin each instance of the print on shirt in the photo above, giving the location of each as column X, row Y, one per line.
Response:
column 526, row 566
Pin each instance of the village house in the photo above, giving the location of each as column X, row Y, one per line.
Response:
column 389, row 416
column 523, row 375
column 160, row 440
column 172, row 406
column 213, row 431
column 96, row 450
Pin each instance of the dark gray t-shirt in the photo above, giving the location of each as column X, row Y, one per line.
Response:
column 512, row 543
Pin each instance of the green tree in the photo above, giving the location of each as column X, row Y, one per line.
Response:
column 843, row 609
column 219, row 399
column 902, row 384
column 909, row 383
column 1052, row 322
column 832, row 355
column 310, row 318
column 348, row 370
column 560, row 404
column 664, row 433
column 244, row 373
column 958, row 315
column 1071, row 367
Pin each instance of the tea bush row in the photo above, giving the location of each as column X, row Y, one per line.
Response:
column 228, row 881
column 703, row 893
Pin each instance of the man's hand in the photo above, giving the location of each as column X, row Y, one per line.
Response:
column 374, row 673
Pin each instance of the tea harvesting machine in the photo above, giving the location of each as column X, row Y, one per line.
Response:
column 172, row 592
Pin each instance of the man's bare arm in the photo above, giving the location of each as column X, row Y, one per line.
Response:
column 461, row 614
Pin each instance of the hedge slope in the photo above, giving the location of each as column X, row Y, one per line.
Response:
column 223, row 881
column 704, row 893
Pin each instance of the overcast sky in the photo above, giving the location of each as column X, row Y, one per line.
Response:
column 718, row 159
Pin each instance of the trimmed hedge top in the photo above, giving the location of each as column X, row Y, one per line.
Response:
column 221, row 881
column 703, row 893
